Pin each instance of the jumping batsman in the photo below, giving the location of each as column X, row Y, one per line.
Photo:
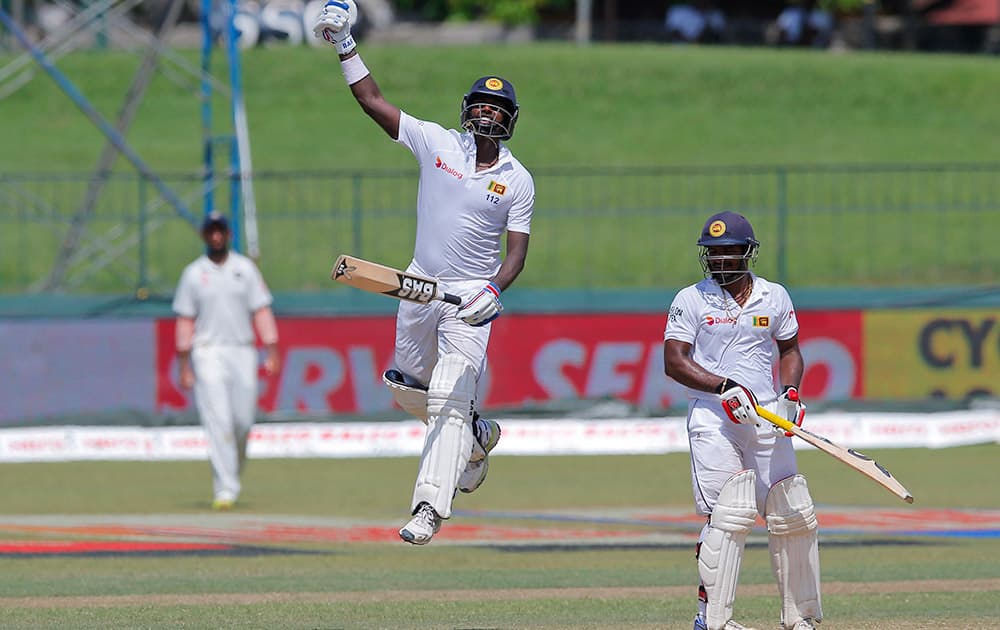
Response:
column 220, row 299
column 471, row 191
column 723, row 336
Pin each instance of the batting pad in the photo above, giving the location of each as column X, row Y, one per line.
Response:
column 448, row 441
column 721, row 549
column 411, row 398
column 794, row 547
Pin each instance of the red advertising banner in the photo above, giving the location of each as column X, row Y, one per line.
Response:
column 832, row 344
column 329, row 365
column 334, row 365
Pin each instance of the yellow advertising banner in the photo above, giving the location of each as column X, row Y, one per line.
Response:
column 931, row 353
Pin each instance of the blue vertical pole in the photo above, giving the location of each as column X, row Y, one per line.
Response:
column 234, row 192
column 208, row 175
column 233, row 53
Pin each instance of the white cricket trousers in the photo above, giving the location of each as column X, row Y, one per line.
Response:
column 225, row 393
column 718, row 454
column 425, row 332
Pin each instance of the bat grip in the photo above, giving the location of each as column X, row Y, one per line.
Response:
column 774, row 418
column 452, row 299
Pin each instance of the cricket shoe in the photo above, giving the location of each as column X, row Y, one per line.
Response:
column 805, row 624
column 422, row 527
column 487, row 434
column 699, row 624
column 223, row 505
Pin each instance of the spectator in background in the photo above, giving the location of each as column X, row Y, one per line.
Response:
column 805, row 23
column 697, row 23
column 220, row 299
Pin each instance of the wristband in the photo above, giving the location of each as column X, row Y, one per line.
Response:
column 724, row 385
column 354, row 69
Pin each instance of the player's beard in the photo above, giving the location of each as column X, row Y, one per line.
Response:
column 725, row 278
column 217, row 253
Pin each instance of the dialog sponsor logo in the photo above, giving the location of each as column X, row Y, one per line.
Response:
column 441, row 164
column 712, row 320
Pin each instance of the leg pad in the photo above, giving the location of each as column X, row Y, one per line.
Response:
column 794, row 547
column 448, row 441
column 721, row 549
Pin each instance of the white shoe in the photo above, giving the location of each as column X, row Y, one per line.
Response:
column 422, row 527
column 804, row 624
column 699, row 624
column 487, row 433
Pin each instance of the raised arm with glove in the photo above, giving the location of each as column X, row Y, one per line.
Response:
column 334, row 24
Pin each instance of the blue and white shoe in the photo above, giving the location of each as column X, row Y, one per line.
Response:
column 699, row 624
column 487, row 434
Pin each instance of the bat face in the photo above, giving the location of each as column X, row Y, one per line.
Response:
column 414, row 288
column 855, row 459
column 376, row 278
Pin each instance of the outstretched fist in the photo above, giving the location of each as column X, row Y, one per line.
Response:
column 334, row 24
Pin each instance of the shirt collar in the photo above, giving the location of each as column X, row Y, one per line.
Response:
column 469, row 146
column 759, row 290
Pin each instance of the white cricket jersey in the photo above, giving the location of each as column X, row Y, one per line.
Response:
column 221, row 299
column 734, row 342
column 461, row 214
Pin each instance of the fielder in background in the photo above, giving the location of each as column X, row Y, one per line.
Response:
column 723, row 336
column 471, row 191
column 220, row 299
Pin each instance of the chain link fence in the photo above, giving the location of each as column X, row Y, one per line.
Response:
column 593, row 228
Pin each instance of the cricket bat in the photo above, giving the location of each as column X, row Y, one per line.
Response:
column 858, row 461
column 375, row 278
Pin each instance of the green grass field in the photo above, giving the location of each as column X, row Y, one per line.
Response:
column 639, row 105
column 873, row 579
column 608, row 109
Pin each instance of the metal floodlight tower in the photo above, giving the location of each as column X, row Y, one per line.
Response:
column 83, row 253
column 244, row 226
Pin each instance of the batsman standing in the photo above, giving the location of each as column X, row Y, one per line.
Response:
column 220, row 299
column 471, row 191
column 723, row 337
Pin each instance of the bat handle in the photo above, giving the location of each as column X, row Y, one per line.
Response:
column 452, row 299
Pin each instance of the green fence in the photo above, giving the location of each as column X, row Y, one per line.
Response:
column 593, row 228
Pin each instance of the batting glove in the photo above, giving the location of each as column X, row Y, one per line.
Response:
column 483, row 308
column 791, row 408
column 739, row 403
column 334, row 24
